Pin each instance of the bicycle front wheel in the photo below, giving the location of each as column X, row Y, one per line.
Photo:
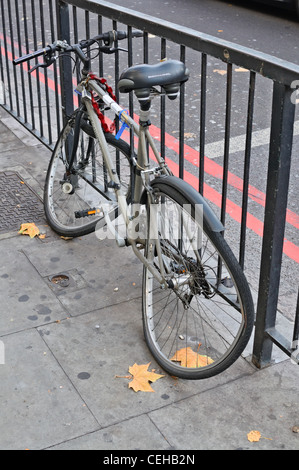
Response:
column 73, row 196
column 200, row 324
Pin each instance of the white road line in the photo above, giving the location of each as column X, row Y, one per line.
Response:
column 237, row 144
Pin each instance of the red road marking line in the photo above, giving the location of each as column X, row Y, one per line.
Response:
column 216, row 170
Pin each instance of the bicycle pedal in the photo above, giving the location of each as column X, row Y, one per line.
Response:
column 87, row 212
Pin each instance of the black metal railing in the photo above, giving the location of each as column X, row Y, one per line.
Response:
column 37, row 101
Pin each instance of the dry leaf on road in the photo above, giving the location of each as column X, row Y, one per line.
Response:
column 29, row 229
column 141, row 378
column 189, row 358
column 254, row 436
column 221, row 72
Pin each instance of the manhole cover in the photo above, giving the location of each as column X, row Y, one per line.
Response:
column 18, row 203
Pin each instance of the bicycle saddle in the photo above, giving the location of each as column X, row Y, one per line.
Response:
column 168, row 74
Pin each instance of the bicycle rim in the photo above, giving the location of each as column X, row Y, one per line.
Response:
column 73, row 199
column 198, row 326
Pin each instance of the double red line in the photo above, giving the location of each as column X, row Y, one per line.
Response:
column 210, row 167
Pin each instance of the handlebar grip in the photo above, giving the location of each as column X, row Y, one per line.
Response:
column 136, row 33
column 30, row 56
column 123, row 34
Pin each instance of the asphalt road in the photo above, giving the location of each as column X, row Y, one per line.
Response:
column 261, row 27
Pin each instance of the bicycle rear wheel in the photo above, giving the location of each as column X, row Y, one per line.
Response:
column 73, row 196
column 201, row 323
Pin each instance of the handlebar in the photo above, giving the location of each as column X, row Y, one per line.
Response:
column 62, row 46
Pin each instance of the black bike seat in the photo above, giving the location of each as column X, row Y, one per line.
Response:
column 145, row 76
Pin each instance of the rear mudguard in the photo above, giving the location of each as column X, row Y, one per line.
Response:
column 210, row 221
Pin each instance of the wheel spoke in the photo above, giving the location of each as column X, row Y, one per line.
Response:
column 195, row 328
column 83, row 187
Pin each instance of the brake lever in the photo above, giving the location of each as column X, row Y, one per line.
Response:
column 111, row 50
column 49, row 61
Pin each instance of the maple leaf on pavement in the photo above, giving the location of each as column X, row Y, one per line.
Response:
column 189, row 358
column 141, row 378
column 29, row 229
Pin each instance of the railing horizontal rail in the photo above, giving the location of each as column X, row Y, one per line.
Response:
column 264, row 64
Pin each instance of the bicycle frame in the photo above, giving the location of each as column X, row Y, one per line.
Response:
column 142, row 176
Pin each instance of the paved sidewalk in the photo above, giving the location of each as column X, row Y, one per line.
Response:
column 64, row 345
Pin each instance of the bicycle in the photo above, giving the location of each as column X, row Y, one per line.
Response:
column 197, row 306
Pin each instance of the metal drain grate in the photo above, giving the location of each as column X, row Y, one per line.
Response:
column 18, row 203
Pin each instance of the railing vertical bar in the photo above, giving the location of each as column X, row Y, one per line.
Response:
column 76, row 39
column 182, row 118
column 87, row 29
column 116, row 64
column 131, row 97
column 145, row 60
column 53, row 36
column 145, row 47
column 87, row 26
column 130, row 63
column 202, row 132
column 66, row 78
column 29, row 75
column 20, row 53
column 296, row 325
column 163, row 106
column 100, row 31
column 281, row 138
column 116, row 92
column 246, row 168
column 38, row 88
column 75, row 24
column 226, row 140
column 226, row 155
column 48, row 107
column 6, row 55
column 12, row 42
column 2, row 87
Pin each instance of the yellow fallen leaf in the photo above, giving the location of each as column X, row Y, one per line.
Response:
column 241, row 69
column 254, row 436
column 42, row 236
column 29, row 229
column 189, row 135
column 188, row 358
column 141, row 378
column 221, row 72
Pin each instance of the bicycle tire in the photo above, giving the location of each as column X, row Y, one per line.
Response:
column 67, row 199
column 200, row 327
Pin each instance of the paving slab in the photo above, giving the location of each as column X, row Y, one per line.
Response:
column 102, row 273
column 26, row 300
column 39, row 404
column 221, row 418
column 96, row 347
column 138, row 433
